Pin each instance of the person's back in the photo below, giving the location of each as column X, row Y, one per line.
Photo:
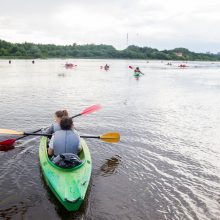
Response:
column 65, row 140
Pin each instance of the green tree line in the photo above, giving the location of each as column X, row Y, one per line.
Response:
column 33, row 51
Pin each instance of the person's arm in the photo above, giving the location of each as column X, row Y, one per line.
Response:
column 49, row 130
column 141, row 72
column 80, row 146
column 50, row 150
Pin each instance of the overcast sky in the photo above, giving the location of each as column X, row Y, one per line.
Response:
column 161, row 24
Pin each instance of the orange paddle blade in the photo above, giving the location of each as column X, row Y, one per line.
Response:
column 112, row 137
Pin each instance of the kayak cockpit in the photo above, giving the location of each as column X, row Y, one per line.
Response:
column 81, row 156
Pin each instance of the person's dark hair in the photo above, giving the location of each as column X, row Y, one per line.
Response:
column 66, row 123
column 61, row 113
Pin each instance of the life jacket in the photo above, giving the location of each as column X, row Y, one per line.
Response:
column 56, row 127
column 66, row 142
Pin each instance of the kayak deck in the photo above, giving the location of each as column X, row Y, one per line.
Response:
column 68, row 185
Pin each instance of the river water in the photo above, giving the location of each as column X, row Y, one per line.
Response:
column 167, row 164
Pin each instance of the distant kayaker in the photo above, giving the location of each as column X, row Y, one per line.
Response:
column 137, row 70
column 33, row 61
column 65, row 140
column 9, row 61
column 106, row 67
column 56, row 125
column 69, row 65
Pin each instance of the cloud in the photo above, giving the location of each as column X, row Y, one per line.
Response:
column 159, row 24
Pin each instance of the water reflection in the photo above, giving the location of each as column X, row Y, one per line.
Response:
column 15, row 210
column 110, row 166
column 137, row 77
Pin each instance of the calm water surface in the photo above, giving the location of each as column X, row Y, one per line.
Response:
column 167, row 165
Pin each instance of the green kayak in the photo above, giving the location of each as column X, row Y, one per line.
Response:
column 68, row 185
column 137, row 74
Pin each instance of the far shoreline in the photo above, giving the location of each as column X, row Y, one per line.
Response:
column 101, row 51
column 101, row 58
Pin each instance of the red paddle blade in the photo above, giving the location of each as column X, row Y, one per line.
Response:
column 130, row 67
column 7, row 142
column 6, row 147
column 91, row 109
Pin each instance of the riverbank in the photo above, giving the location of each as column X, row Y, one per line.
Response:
column 91, row 51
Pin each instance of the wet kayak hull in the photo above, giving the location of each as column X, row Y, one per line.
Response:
column 68, row 185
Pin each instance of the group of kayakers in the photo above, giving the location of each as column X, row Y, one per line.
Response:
column 71, row 65
column 65, row 138
column 106, row 67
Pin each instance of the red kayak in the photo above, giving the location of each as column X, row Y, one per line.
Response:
column 182, row 66
column 70, row 65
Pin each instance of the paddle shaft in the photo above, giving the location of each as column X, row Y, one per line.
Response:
column 112, row 137
column 87, row 136
column 50, row 135
column 36, row 134
column 82, row 136
column 26, row 134
column 76, row 115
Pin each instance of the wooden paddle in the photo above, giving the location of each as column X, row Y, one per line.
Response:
column 86, row 111
column 112, row 137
